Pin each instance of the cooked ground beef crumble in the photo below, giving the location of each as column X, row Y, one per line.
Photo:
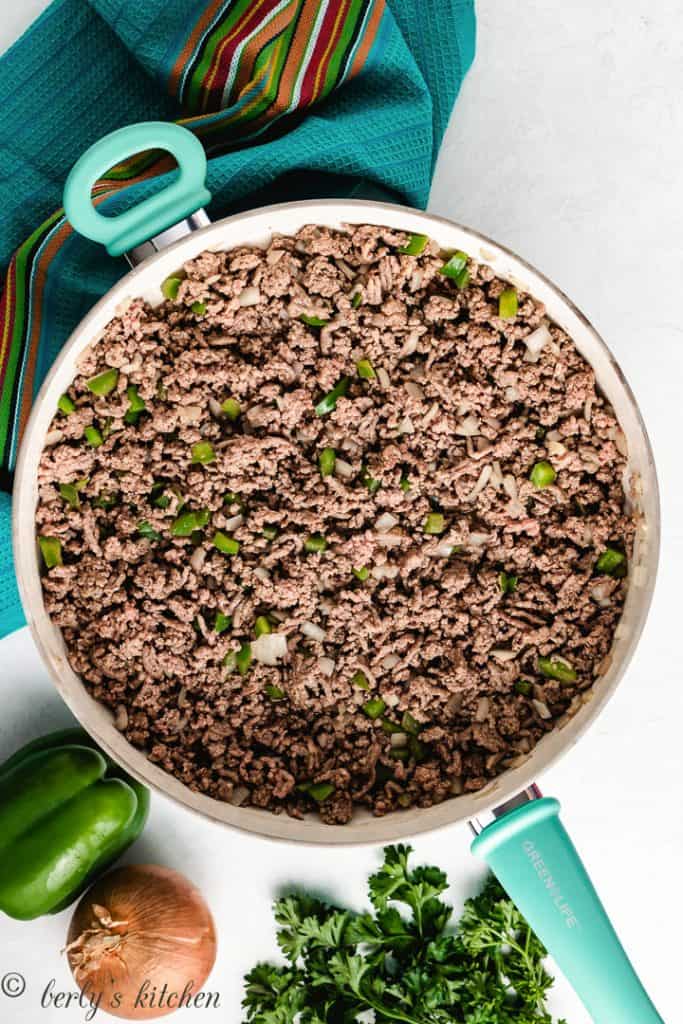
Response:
column 307, row 555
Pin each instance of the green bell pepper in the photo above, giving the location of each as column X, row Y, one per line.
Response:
column 66, row 812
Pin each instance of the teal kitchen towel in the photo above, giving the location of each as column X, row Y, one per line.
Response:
column 291, row 99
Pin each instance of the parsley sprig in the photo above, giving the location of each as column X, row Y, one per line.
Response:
column 402, row 961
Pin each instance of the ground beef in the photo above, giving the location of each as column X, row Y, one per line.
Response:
column 405, row 663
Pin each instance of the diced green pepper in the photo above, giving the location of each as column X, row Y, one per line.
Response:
column 243, row 659
column 372, row 485
column 274, row 692
column 270, row 532
column 103, row 383
column 409, row 724
column 203, row 453
column 405, row 484
column 399, row 753
column 66, row 405
column 93, row 437
column 523, row 686
column 51, row 550
column 198, row 308
column 374, row 707
column 315, row 544
column 135, row 407
column 328, row 403
column 455, row 268
column 262, row 626
column 507, row 584
column 360, row 680
column 434, row 524
column 70, row 494
column 542, row 474
column 365, row 369
column 326, row 461
column 554, row 669
column 222, row 623
column 415, row 245
column 312, row 321
column 320, row 791
column 226, row 545
column 146, row 530
column 231, row 408
column 508, row 304
column 158, row 497
column 170, row 287
column 186, row 523
column 362, row 573
column 390, row 728
column 356, row 300
column 105, row 500
column 612, row 563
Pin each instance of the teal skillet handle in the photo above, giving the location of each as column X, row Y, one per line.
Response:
column 537, row 864
column 184, row 196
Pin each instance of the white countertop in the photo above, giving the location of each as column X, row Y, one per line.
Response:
column 566, row 146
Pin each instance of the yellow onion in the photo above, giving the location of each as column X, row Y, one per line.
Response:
column 140, row 934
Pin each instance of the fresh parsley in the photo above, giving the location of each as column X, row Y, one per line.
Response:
column 402, row 961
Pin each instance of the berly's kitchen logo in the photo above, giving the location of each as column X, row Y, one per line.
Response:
column 148, row 996
column 551, row 885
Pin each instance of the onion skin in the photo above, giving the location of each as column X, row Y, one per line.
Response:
column 141, row 923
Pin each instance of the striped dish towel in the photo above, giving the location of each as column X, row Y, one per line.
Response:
column 291, row 99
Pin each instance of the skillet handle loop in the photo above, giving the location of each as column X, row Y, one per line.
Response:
column 533, row 857
column 184, row 196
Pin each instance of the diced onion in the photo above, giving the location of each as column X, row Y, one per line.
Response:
column 600, row 594
column 555, row 448
column 381, row 572
column 482, row 712
column 536, row 342
column 383, row 377
column 386, row 522
column 481, row 483
column 479, row 539
column 390, row 699
column 239, row 795
column 409, row 345
column 511, row 394
column 343, row 468
column 53, row 437
column 390, row 661
column 234, row 522
column 269, row 648
column 443, row 550
column 502, row 655
column 197, row 559
column 541, row 708
column 327, row 666
column 510, row 486
column 215, row 408
column 406, row 426
column 390, row 540
column 399, row 739
column 312, row 631
column 261, row 573
column 468, row 427
column 249, row 296
column 496, row 479
column 414, row 390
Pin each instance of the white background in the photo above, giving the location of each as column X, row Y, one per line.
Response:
column 566, row 146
